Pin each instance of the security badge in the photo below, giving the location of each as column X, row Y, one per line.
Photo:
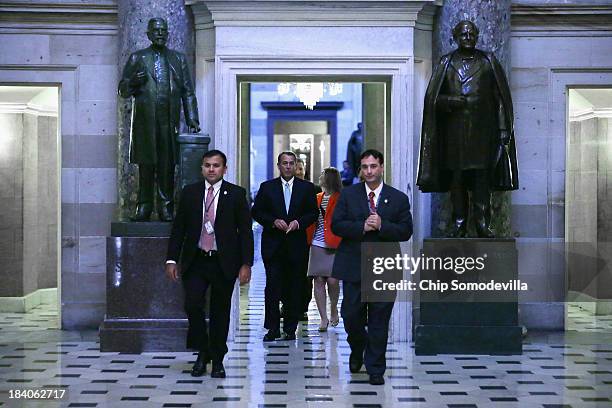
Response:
column 209, row 228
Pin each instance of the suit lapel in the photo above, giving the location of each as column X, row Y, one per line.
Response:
column 295, row 191
column 383, row 201
column 148, row 62
column 221, row 204
column 365, row 206
column 200, row 205
column 280, row 196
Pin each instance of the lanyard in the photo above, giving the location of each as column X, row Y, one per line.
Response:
column 211, row 202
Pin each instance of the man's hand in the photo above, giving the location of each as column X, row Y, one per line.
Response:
column 280, row 224
column 505, row 137
column 194, row 126
column 172, row 271
column 139, row 79
column 374, row 221
column 367, row 227
column 293, row 226
column 244, row 275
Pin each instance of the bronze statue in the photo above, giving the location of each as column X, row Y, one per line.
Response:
column 159, row 79
column 467, row 139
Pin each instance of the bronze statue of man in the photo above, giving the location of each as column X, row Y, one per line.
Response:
column 467, row 139
column 159, row 80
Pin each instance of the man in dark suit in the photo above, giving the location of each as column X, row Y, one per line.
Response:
column 285, row 207
column 367, row 212
column 159, row 80
column 213, row 236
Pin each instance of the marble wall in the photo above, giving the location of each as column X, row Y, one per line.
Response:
column 11, row 202
column 28, row 228
column 75, row 47
column 545, row 63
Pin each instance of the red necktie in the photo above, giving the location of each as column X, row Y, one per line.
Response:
column 372, row 205
column 207, row 240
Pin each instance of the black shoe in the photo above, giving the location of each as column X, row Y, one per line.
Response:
column 289, row 336
column 143, row 212
column 271, row 335
column 165, row 213
column 199, row 368
column 304, row 317
column 218, row 371
column 355, row 362
column 459, row 229
column 377, row 379
column 483, row 230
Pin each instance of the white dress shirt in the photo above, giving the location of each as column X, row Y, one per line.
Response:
column 376, row 193
column 216, row 192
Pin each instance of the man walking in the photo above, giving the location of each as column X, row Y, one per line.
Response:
column 212, row 234
column 370, row 211
column 285, row 207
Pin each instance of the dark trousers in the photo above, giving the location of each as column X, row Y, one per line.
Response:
column 160, row 174
column 307, row 293
column 356, row 316
column 284, row 278
column 476, row 181
column 203, row 273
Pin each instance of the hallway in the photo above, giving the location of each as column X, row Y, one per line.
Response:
column 308, row 372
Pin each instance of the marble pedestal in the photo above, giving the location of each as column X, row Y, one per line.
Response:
column 144, row 309
column 476, row 322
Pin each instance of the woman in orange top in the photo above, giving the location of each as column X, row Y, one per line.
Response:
column 323, row 244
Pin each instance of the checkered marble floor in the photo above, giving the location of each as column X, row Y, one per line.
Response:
column 554, row 371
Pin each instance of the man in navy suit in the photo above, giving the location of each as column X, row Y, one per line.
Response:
column 285, row 207
column 213, row 236
column 370, row 211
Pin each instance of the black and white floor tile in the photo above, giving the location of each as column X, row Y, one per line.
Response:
column 309, row 372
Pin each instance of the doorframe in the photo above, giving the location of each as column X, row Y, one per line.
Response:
column 296, row 111
column 400, row 73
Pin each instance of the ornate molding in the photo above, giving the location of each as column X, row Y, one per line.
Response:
column 322, row 13
column 57, row 16
column 529, row 16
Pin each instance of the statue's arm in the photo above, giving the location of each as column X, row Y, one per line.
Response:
column 129, row 85
column 190, row 103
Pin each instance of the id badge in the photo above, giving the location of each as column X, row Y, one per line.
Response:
column 209, row 228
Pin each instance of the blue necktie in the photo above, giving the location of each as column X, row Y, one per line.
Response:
column 287, row 197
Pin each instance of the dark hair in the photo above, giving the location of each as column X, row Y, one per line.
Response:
column 331, row 179
column 214, row 152
column 461, row 24
column 288, row 153
column 300, row 161
column 374, row 153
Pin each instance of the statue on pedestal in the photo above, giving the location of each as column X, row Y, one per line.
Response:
column 159, row 81
column 467, row 138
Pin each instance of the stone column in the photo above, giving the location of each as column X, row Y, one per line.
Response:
column 493, row 21
column 133, row 16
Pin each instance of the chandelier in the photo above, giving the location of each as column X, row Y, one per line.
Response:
column 309, row 93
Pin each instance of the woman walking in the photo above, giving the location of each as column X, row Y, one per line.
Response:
column 323, row 244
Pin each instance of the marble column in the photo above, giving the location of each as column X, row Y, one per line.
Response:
column 133, row 16
column 493, row 21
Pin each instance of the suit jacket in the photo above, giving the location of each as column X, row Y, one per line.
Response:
column 349, row 216
column 142, row 145
column 269, row 205
column 331, row 239
column 233, row 228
